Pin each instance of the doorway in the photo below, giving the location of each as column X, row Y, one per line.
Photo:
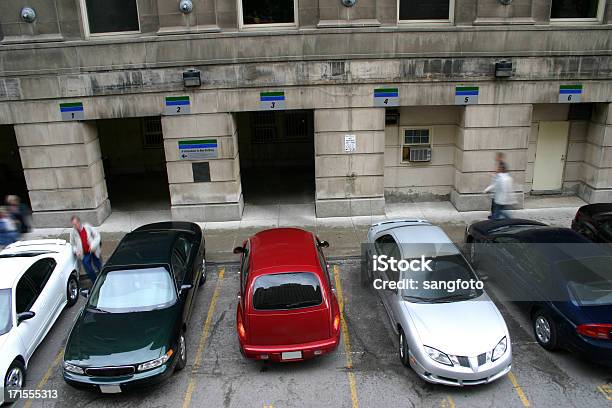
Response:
column 134, row 163
column 550, row 157
column 12, row 177
column 277, row 157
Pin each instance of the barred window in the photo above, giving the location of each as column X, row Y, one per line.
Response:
column 153, row 137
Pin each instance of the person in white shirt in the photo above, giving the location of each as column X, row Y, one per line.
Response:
column 502, row 193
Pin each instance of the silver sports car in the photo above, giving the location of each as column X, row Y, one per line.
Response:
column 449, row 330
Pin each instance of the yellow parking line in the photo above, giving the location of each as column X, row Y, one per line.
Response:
column 203, row 338
column 45, row 379
column 345, row 337
column 518, row 389
column 447, row 402
column 606, row 390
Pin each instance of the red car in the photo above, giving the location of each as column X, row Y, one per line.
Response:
column 287, row 308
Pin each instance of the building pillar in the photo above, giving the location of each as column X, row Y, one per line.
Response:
column 64, row 172
column 484, row 130
column 195, row 197
column 349, row 183
column 597, row 187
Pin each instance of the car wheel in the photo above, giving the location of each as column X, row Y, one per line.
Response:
column 72, row 291
column 403, row 349
column 15, row 376
column 545, row 330
column 182, row 353
column 203, row 278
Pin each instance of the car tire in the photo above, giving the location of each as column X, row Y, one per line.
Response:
column 72, row 290
column 15, row 376
column 181, row 352
column 403, row 350
column 545, row 330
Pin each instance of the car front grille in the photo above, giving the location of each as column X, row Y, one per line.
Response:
column 482, row 359
column 110, row 371
column 464, row 361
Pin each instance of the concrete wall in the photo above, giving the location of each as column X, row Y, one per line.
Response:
column 484, row 130
column 422, row 181
column 349, row 183
column 597, row 186
column 217, row 200
column 64, row 172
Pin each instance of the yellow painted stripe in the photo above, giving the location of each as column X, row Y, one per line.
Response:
column 198, row 359
column 518, row 389
column 606, row 390
column 345, row 337
column 41, row 384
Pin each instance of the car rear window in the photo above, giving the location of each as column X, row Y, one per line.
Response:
column 286, row 291
column 589, row 280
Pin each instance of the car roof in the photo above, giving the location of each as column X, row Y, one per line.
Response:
column 596, row 209
column 556, row 235
column 177, row 226
column 16, row 258
column 283, row 247
column 423, row 240
column 144, row 247
column 499, row 226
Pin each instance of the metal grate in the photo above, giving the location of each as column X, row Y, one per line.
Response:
column 297, row 125
column 153, row 137
column 420, row 154
column 110, row 371
column 263, row 125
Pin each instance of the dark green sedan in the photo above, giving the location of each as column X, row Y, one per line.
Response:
column 131, row 331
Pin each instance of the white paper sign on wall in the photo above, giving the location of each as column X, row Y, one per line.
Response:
column 350, row 143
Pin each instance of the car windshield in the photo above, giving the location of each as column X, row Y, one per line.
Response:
column 589, row 280
column 6, row 312
column 605, row 226
column 133, row 290
column 286, row 291
column 444, row 283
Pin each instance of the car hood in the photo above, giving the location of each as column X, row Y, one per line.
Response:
column 111, row 339
column 466, row 328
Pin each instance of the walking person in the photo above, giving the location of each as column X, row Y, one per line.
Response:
column 500, row 158
column 19, row 213
column 85, row 241
column 502, row 193
column 8, row 230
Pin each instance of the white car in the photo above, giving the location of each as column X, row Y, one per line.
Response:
column 37, row 280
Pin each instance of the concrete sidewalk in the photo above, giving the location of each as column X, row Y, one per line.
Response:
column 345, row 234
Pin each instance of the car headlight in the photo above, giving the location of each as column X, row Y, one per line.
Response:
column 73, row 369
column 438, row 356
column 149, row 365
column 500, row 349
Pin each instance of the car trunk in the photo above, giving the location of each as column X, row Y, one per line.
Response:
column 287, row 327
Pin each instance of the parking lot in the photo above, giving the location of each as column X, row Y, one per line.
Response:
column 364, row 371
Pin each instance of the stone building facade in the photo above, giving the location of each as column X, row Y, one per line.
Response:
column 549, row 110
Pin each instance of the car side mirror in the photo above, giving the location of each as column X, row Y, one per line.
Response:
column 25, row 316
column 185, row 288
column 323, row 244
column 85, row 293
column 239, row 250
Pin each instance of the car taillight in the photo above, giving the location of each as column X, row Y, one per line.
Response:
column 596, row 331
column 241, row 330
column 336, row 322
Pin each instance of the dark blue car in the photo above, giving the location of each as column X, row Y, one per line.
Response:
column 563, row 281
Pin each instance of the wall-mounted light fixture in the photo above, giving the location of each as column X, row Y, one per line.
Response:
column 348, row 3
column 505, row 2
column 503, row 69
column 28, row 14
column 192, row 78
column 186, row 6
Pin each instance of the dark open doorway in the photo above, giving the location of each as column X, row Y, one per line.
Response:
column 134, row 163
column 12, row 177
column 277, row 157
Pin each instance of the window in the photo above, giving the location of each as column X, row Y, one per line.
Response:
column 40, row 272
column 133, row 290
column 416, row 145
column 180, row 255
column 576, row 9
column 110, row 16
column 25, row 295
column 285, row 291
column 256, row 13
column 153, row 137
column 6, row 312
column 386, row 245
column 429, row 11
column 244, row 273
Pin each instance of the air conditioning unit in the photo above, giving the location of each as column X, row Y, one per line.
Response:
column 420, row 154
